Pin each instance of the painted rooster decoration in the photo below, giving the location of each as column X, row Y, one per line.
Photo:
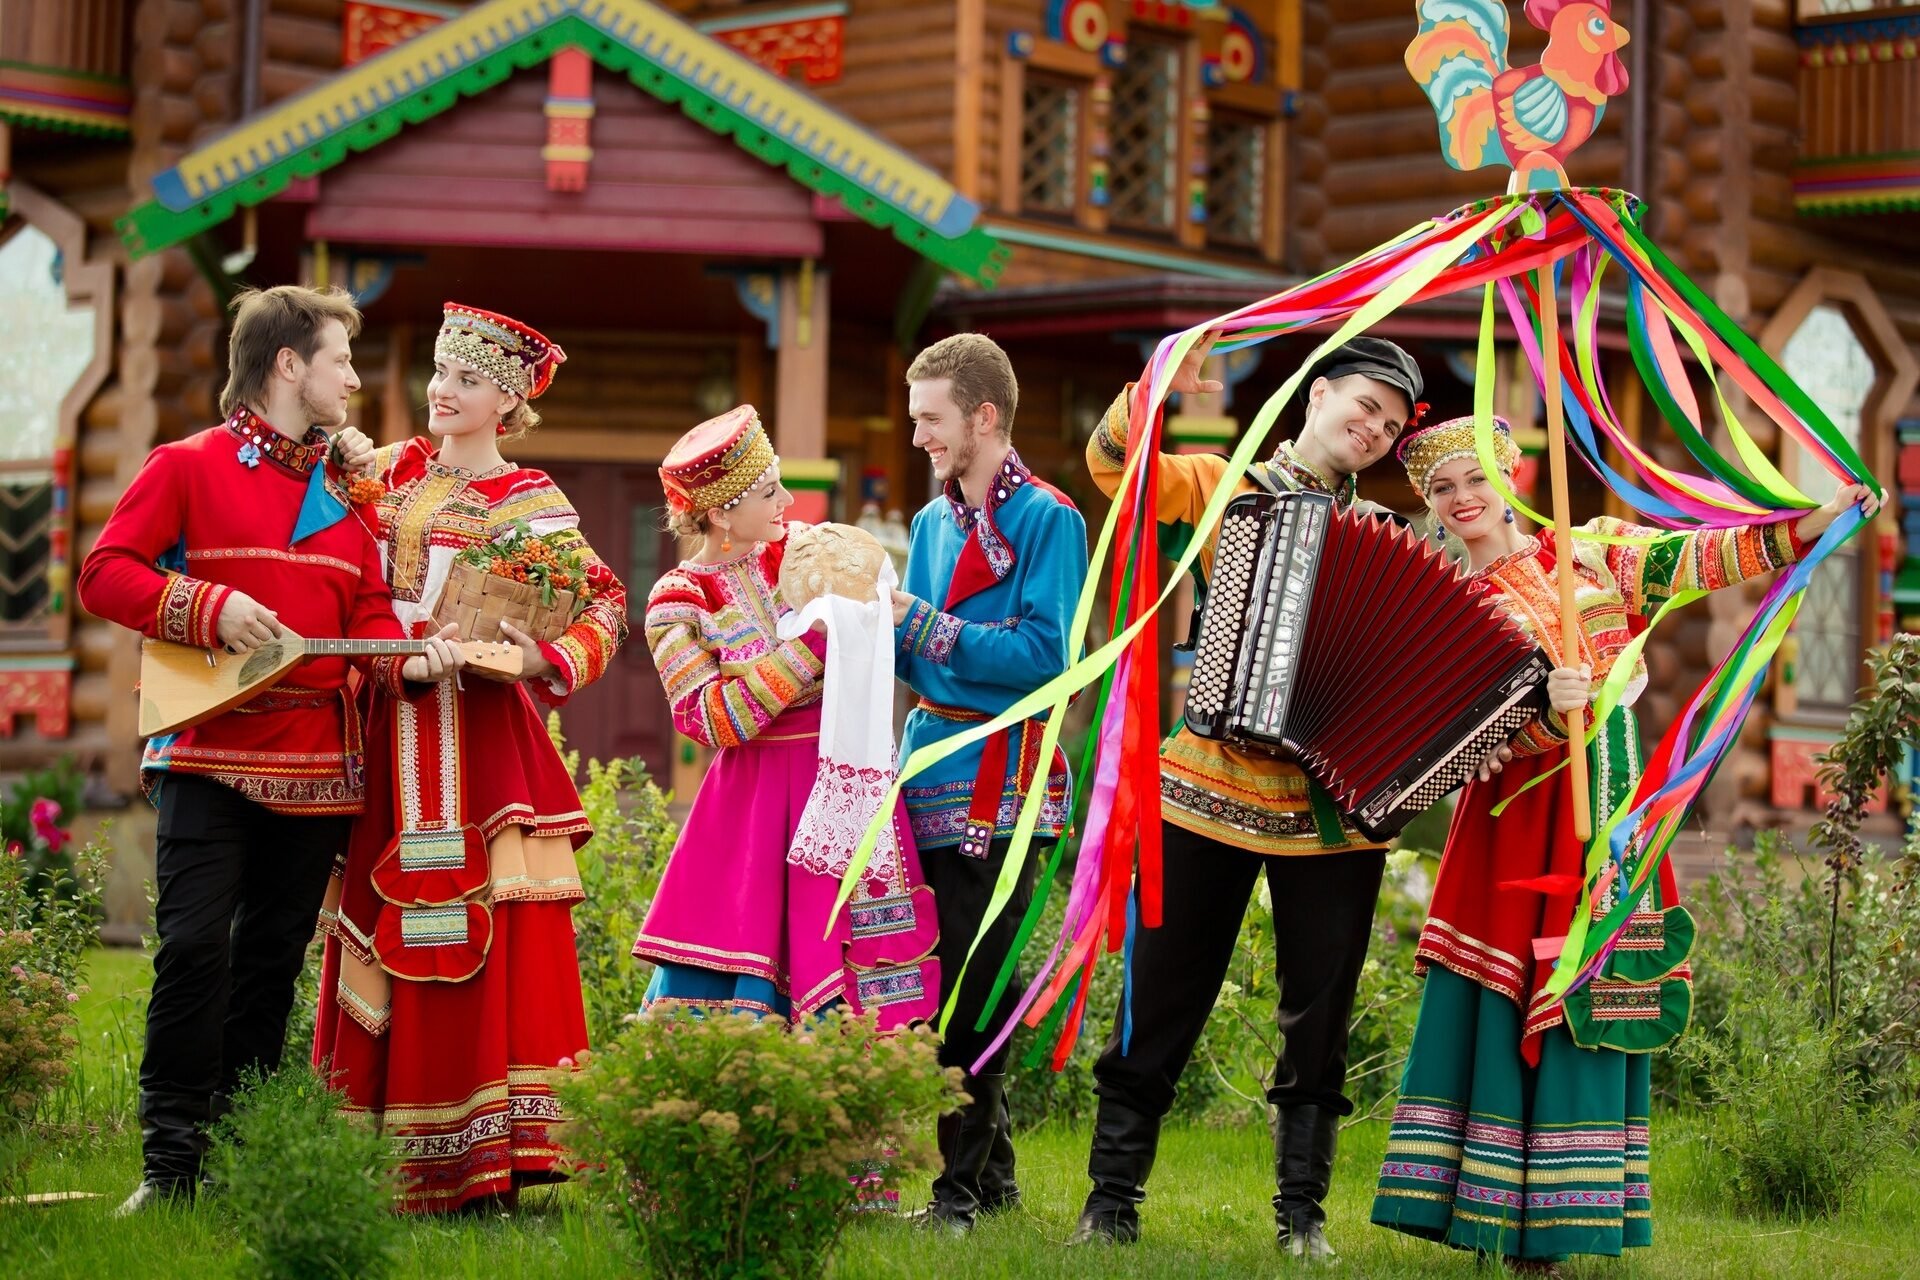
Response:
column 1528, row 118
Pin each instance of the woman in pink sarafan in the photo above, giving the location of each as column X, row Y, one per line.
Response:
column 740, row 923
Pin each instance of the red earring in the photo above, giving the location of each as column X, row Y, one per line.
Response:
column 500, row 428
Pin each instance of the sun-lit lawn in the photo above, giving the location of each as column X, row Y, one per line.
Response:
column 1207, row 1215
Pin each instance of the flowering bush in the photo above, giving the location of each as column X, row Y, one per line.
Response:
column 43, row 943
column 36, row 815
column 726, row 1140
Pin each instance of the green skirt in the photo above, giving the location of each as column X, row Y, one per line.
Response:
column 1487, row 1153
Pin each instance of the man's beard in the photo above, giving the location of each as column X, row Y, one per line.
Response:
column 318, row 412
column 960, row 458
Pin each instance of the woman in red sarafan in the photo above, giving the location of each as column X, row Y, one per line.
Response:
column 450, row 994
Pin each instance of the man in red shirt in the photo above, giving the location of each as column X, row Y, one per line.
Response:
column 222, row 539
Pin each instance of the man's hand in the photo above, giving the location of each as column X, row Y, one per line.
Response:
column 1187, row 379
column 533, row 663
column 1569, row 688
column 902, row 606
column 1496, row 762
column 352, row 450
column 245, row 623
column 439, row 662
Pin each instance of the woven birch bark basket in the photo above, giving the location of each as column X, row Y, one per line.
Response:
column 478, row 602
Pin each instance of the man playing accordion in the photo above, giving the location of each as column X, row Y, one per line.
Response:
column 1230, row 814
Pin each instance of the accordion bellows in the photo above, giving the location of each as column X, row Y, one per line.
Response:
column 1357, row 647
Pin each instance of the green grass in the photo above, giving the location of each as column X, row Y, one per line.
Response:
column 1207, row 1215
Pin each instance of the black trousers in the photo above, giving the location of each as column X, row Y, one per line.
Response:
column 962, row 887
column 1322, row 923
column 240, row 889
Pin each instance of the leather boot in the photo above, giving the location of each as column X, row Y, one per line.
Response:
column 1303, row 1143
column 966, row 1140
column 173, row 1142
column 1124, row 1143
column 999, row 1190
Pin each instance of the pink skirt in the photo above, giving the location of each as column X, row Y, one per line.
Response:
column 731, row 903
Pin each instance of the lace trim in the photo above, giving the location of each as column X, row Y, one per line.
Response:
column 844, row 799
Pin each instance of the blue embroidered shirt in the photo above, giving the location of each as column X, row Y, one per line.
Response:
column 980, row 648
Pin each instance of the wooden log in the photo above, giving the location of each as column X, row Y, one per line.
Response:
column 214, row 46
column 213, row 95
column 1374, row 89
column 178, row 69
column 93, row 646
column 303, row 41
column 92, row 690
column 96, row 499
column 156, row 318
column 99, row 451
column 329, row 10
column 279, row 81
column 103, row 411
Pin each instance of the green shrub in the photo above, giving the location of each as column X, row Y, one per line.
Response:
column 310, row 1191
column 620, row 870
column 726, row 1140
column 46, row 926
column 1797, row 1124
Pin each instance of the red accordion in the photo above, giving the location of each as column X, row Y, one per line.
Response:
column 1357, row 647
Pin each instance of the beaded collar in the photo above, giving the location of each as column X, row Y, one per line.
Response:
column 1011, row 476
column 1530, row 548
column 259, row 442
column 1289, row 462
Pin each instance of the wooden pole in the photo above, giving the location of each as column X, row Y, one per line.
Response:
column 1563, row 544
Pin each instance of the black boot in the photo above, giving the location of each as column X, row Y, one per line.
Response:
column 173, row 1141
column 1303, row 1142
column 1124, row 1143
column 999, row 1190
column 966, row 1140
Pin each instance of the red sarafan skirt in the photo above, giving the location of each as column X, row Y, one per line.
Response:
column 450, row 999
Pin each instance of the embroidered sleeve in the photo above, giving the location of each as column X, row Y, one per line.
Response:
column 1029, row 648
column 582, row 653
column 928, row 633
column 121, row 580
column 189, row 611
column 1545, row 732
column 1704, row 560
column 709, row 705
column 1187, row 480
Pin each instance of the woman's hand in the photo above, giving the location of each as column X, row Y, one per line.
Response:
column 441, row 660
column 1569, row 688
column 352, row 450
column 902, row 606
column 533, row 663
column 1817, row 522
column 1496, row 762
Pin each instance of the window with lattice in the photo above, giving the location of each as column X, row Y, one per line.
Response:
column 1145, row 136
column 1049, row 146
column 1828, row 361
column 1236, row 182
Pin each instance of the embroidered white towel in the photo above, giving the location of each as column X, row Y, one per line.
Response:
column 856, row 733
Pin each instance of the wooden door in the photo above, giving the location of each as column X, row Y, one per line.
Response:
column 621, row 514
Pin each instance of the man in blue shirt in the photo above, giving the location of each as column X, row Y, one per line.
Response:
column 994, row 568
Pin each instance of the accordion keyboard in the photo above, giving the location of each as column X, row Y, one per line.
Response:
column 1211, row 688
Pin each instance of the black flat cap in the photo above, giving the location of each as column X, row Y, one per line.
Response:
column 1376, row 358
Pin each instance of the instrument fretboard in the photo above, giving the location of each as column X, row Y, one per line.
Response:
column 364, row 648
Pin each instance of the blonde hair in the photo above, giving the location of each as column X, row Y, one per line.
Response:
column 979, row 372
column 520, row 419
column 269, row 321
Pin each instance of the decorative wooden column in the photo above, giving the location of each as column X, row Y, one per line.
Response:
column 800, row 393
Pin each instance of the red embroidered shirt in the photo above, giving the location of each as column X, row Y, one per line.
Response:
column 218, row 509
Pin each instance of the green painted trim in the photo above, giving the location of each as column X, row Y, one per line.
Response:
column 36, row 662
column 152, row 227
column 813, row 475
column 54, row 124
column 1112, row 252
